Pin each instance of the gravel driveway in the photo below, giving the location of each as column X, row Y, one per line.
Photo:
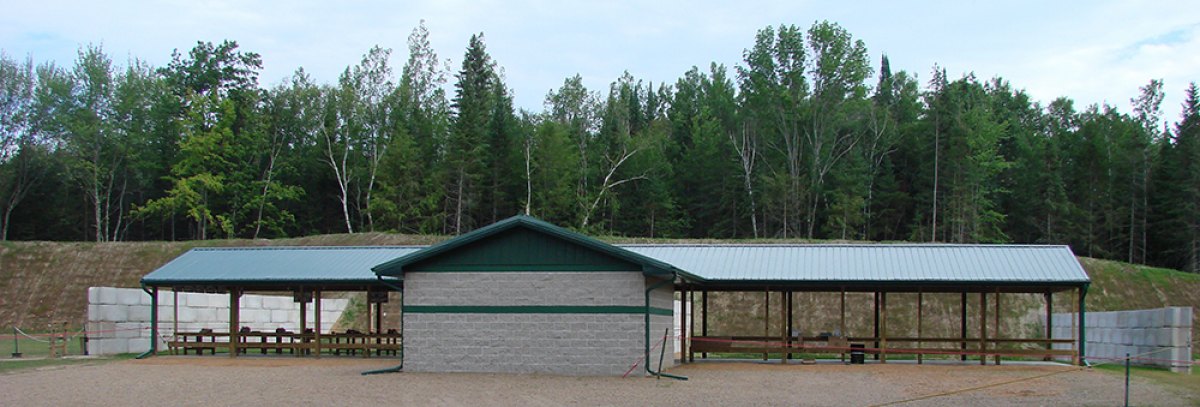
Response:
column 336, row 381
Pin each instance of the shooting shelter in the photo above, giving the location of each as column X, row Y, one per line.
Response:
column 523, row 295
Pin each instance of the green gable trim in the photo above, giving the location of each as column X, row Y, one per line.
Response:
column 534, row 309
column 524, row 242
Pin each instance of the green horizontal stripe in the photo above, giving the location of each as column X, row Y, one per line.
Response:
column 533, row 309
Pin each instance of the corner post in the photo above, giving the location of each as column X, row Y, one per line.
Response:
column 1083, row 324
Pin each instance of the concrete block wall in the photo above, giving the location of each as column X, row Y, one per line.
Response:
column 1160, row 337
column 557, row 343
column 119, row 318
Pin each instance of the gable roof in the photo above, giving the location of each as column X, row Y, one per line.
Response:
column 275, row 266
column 649, row 265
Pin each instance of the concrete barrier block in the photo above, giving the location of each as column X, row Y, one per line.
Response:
column 1178, row 317
column 188, row 314
column 112, row 346
column 252, row 301
column 139, row 313
column 106, row 295
column 278, row 316
column 255, row 316
column 114, row 313
column 94, row 295
column 129, row 297
column 128, row 330
column 1179, row 336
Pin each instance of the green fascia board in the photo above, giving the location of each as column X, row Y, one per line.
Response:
column 649, row 266
column 534, row 309
column 267, row 283
column 883, row 284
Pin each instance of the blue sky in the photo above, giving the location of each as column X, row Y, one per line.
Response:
column 1090, row 51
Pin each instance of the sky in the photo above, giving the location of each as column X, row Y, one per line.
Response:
column 1090, row 51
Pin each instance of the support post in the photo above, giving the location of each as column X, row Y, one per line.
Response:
column 963, row 330
column 1074, row 332
column 367, row 351
column 982, row 328
column 378, row 327
column 303, row 321
column 787, row 332
column 875, row 333
column 883, row 329
column 842, row 324
column 691, row 316
column 317, row 323
column 766, row 318
column 683, row 326
column 234, row 312
column 175, row 316
column 1083, row 324
column 1049, row 296
column 704, row 320
column 153, row 322
column 920, row 301
column 998, row 334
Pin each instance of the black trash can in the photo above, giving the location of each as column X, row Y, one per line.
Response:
column 857, row 356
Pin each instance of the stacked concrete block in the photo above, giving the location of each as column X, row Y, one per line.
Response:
column 1157, row 337
column 469, row 323
column 119, row 318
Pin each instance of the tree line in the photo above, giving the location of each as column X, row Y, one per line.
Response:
column 805, row 138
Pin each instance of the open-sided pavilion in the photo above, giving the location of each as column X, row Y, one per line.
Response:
column 527, row 272
column 985, row 271
column 303, row 272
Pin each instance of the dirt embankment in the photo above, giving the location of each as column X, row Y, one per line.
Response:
column 45, row 282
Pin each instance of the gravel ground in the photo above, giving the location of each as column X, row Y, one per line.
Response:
column 336, row 381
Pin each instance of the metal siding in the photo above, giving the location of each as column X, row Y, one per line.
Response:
column 884, row 263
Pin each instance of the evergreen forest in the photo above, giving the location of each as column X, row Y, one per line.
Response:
column 806, row 138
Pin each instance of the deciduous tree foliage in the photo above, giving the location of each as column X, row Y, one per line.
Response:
column 804, row 138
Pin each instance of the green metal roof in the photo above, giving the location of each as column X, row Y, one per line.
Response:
column 524, row 243
column 887, row 264
column 275, row 266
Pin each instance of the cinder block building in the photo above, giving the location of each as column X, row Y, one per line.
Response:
column 526, row 296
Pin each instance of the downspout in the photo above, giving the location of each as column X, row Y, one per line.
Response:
column 647, row 330
column 1083, row 325
column 400, row 367
column 153, row 322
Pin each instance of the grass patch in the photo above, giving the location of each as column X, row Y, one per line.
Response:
column 34, row 349
column 12, row 366
column 1187, row 384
